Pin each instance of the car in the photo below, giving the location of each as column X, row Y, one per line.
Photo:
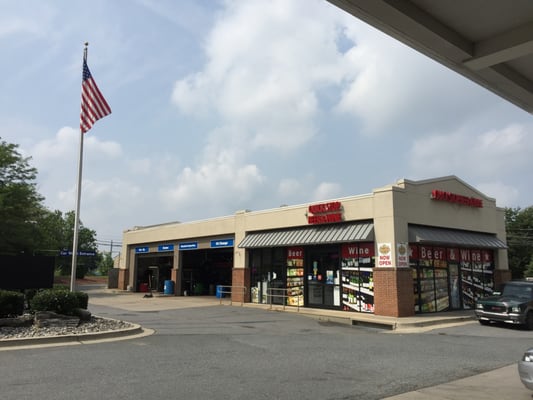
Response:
column 513, row 305
column 525, row 369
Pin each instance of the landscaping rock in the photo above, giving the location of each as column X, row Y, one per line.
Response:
column 49, row 319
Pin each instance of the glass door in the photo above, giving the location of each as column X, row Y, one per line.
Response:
column 322, row 277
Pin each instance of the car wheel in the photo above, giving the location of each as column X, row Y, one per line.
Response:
column 484, row 321
column 529, row 321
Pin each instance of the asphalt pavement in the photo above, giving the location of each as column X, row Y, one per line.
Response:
column 501, row 383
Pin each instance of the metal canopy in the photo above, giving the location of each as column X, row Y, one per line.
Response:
column 428, row 234
column 487, row 41
column 309, row 235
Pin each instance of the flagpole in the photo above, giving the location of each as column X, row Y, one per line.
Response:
column 78, row 200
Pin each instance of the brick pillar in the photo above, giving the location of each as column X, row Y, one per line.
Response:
column 240, row 278
column 123, row 275
column 174, row 277
column 393, row 292
column 501, row 276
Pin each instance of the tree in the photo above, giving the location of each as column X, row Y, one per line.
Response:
column 519, row 227
column 86, row 242
column 20, row 204
column 105, row 263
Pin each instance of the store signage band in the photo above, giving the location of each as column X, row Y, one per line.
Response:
column 144, row 249
column 222, row 243
column 165, row 247
column 188, row 246
column 456, row 198
column 325, row 213
column 79, row 253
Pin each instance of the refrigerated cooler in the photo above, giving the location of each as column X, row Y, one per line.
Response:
column 295, row 276
column 357, row 277
column 477, row 275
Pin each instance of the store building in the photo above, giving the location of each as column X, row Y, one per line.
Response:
column 409, row 247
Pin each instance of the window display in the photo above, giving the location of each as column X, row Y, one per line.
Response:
column 357, row 277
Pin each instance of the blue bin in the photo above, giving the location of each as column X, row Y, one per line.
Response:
column 168, row 287
column 219, row 292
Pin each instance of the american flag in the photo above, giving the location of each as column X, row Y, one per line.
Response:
column 93, row 104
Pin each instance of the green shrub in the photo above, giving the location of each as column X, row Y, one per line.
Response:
column 11, row 303
column 58, row 301
column 82, row 299
column 81, row 271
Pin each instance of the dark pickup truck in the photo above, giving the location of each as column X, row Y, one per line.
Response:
column 513, row 305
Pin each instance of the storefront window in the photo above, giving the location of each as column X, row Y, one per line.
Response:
column 334, row 276
column 449, row 278
column 357, row 277
column 268, row 273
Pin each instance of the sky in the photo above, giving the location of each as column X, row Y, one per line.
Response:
column 225, row 105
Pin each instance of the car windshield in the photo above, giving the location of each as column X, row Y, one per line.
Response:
column 520, row 291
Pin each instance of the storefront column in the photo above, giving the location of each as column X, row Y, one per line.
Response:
column 501, row 276
column 176, row 273
column 240, row 282
column 123, row 275
column 393, row 292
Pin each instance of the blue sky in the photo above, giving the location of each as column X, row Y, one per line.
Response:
column 220, row 106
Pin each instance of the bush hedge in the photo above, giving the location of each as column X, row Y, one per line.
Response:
column 60, row 301
column 11, row 303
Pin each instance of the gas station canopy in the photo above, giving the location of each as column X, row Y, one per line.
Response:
column 487, row 41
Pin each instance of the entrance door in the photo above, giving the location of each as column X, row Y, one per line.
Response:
column 322, row 277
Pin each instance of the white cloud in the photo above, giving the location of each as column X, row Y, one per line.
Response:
column 326, row 190
column 213, row 186
column 495, row 153
column 394, row 90
column 505, row 195
column 266, row 64
column 289, row 188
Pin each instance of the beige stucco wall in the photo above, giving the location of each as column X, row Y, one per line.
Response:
column 391, row 208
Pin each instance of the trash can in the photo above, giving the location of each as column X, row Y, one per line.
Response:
column 168, row 288
column 219, row 292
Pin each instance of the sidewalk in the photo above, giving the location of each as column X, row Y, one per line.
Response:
column 137, row 302
column 501, row 384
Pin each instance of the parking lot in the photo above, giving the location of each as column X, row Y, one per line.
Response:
column 203, row 350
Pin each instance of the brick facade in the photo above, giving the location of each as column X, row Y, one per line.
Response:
column 393, row 292
column 123, row 278
column 241, row 285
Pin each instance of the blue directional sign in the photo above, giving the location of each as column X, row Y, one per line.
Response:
column 165, row 247
column 79, row 253
column 222, row 243
column 188, row 246
column 144, row 249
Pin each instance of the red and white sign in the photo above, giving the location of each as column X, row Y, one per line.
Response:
column 456, row 198
column 295, row 253
column 357, row 250
column 402, row 255
column 325, row 213
column 384, row 255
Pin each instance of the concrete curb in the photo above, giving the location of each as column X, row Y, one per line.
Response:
column 78, row 338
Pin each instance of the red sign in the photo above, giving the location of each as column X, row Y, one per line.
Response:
column 413, row 252
column 465, row 255
column 325, row 213
column 456, row 198
column 487, row 256
column 295, row 253
column 432, row 253
column 453, row 254
column 354, row 250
